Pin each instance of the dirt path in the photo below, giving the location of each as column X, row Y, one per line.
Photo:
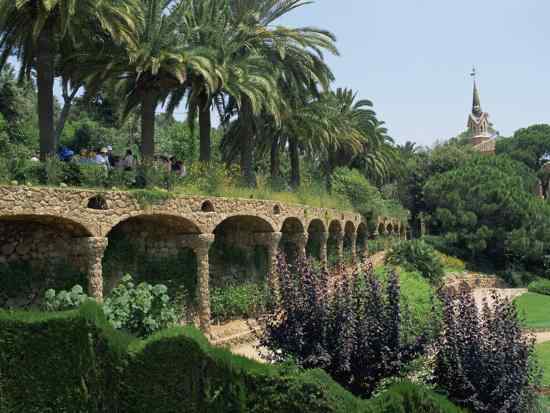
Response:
column 481, row 294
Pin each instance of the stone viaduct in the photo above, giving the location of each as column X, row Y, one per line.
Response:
column 45, row 223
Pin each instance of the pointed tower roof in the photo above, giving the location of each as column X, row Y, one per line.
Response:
column 476, row 106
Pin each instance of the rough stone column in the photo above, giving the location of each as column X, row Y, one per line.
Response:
column 201, row 248
column 353, row 242
column 301, row 242
column 323, row 255
column 271, row 241
column 92, row 250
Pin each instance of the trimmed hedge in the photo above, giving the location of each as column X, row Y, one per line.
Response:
column 75, row 362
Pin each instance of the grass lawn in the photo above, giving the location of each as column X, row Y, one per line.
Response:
column 543, row 352
column 534, row 309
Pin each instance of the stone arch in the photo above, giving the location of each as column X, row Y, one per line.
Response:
column 350, row 239
column 362, row 239
column 316, row 238
column 156, row 248
column 389, row 229
column 38, row 252
column 240, row 252
column 381, row 229
column 335, row 242
column 293, row 241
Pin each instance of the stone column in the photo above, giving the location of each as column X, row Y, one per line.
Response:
column 301, row 242
column 353, row 242
column 202, row 248
column 271, row 241
column 92, row 250
column 323, row 255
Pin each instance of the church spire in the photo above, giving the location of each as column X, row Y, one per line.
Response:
column 476, row 106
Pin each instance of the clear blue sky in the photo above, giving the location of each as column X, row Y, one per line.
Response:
column 413, row 59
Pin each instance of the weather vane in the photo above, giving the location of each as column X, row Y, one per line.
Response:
column 474, row 72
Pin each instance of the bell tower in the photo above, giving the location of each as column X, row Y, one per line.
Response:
column 478, row 121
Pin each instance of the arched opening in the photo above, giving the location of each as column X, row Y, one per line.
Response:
column 389, row 230
column 153, row 249
column 239, row 265
column 381, row 230
column 39, row 252
column 362, row 239
column 98, row 202
column 276, row 210
column 207, row 206
column 334, row 234
column 316, row 230
column 349, row 237
column 293, row 234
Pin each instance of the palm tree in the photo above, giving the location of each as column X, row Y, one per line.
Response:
column 34, row 29
column 295, row 58
column 159, row 63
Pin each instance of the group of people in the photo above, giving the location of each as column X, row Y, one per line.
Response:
column 105, row 158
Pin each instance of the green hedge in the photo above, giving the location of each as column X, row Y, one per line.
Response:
column 74, row 362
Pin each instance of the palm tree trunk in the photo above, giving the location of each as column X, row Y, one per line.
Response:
column 205, row 126
column 44, row 81
column 295, row 178
column 247, row 145
column 275, row 161
column 67, row 105
column 148, row 107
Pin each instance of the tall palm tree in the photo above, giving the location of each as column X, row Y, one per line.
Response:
column 295, row 56
column 34, row 29
column 159, row 63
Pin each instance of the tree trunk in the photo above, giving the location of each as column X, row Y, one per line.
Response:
column 205, row 126
column 44, row 80
column 67, row 104
column 148, row 107
column 275, row 161
column 247, row 144
column 295, row 178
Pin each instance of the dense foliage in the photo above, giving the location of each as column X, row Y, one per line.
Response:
column 352, row 330
column 139, row 309
column 485, row 362
column 487, row 209
column 75, row 362
column 416, row 255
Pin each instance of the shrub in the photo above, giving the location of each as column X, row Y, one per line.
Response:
column 484, row 361
column 140, row 309
column 352, row 332
column 75, row 362
column 64, row 300
column 540, row 286
column 452, row 263
column 416, row 255
column 245, row 300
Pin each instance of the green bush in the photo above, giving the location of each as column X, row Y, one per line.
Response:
column 65, row 300
column 416, row 255
column 245, row 300
column 75, row 362
column 540, row 286
column 140, row 309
